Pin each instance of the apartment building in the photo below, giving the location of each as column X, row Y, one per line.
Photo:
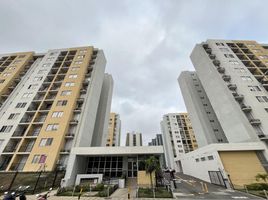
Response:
column 178, row 137
column 50, row 103
column 134, row 139
column 157, row 141
column 227, row 101
column 114, row 130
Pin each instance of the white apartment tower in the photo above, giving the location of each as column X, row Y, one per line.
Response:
column 227, row 96
column 134, row 139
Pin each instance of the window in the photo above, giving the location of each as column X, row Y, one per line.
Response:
column 57, row 114
column 50, row 58
column 263, row 57
column 203, row 158
column 197, row 160
column 27, row 95
column 78, row 62
column 80, row 57
column 38, row 78
column 82, row 51
column 6, row 129
column 42, row 159
column 69, row 84
column 32, row 86
column 73, row 76
column 266, row 109
column 41, row 71
column 224, row 49
column 233, row 62
column 240, row 69
column 75, row 68
column 210, row 158
column 6, row 74
column 66, row 92
column 35, row 158
column 254, row 88
column 262, row 98
column 62, row 103
column 11, row 68
column 2, row 80
column 13, row 116
column 21, row 105
column 45, row 65
column 45, row 142
column 229, row 55
column 16, row 61
column 219, row 44
column 246, row 78
column 52, row 127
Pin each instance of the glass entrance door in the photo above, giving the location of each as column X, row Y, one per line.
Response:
column 132, row 167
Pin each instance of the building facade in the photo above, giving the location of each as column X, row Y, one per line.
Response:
column 114, row 130
column 157, row 141
column 50, row 103
column 134, row 139
column 178, row 137
column 227, row 99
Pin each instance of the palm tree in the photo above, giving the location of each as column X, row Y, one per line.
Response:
column 263, row 177
column 151, row 165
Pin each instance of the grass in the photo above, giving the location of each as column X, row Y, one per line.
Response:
column 159, row 193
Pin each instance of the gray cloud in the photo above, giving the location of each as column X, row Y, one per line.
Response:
column 147, row 43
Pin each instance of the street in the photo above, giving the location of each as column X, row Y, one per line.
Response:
column 190, row 188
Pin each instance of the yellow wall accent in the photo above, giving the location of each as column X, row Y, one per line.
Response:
column 242, row 166
column 111, row 131
column 143, row 179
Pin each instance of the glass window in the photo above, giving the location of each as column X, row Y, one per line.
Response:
column 224, row 49
column 52, row 127
column 229, row 55
column 36, row 158
column 233, row 62
column 210, row 158
column 38, row 78
column 62, row 103
column 254, row 88
column 13, row 116
column 219, row 44
column 42, row 159
column 57, row 114
column 6, row 129
column 66, row 93
column 75, row 68
column 33, row 86
column 21, row 105
column 69, row 84
column 262, row 98
column 246, row 78
column 27, row 95
column 73, row 76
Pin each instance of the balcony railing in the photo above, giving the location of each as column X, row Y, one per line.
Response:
column 232, row 86
column 246, row 108
column 226, row 77
column 238, row 97
column 255, row 122
column 17, row 166
column 26, row 148
column 10, row 148
column 221, row 70
column 216, row 62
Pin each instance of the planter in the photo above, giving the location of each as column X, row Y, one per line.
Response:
column 121, row 183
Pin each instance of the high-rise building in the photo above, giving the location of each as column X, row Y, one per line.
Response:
column 178, row 137
column 227, row 100
column 114, row 130
column 134, row 139
column 50, row 103
column 157, row 141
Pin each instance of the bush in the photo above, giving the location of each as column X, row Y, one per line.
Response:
column 257, row 186
column 99, row 187
column 159, row 193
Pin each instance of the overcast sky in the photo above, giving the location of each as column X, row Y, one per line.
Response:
column 147, row 43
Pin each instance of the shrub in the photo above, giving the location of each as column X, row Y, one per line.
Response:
column 257, row 186
column 99, row 187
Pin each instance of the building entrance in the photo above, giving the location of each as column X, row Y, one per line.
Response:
column 132, row 167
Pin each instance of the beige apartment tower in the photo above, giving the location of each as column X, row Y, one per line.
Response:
column 114, row 130
column 50, row 103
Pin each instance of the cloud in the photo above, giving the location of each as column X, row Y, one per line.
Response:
column 146, row 43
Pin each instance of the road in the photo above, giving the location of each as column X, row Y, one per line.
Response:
column 190, row 188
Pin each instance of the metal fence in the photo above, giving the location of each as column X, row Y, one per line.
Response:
column 38, row 181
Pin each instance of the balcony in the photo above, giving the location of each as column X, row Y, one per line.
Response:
column 263, row 137
column 255, row 122
column 73, row 121
column 17, row 166
column 26, row 148
column 69, row 136
column 232, row 86
column 208, row 50
column 212, row 56
column 226, row 78
column 10, row 148
column 26, row 120
column 221, row 70
column 238, row 97
column 65, row 151
column 216, row 62
column 246, row 108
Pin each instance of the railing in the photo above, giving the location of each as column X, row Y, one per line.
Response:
column 10, row 148
column 26, row 148
column 17, row 166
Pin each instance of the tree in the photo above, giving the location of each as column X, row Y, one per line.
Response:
column 151, row 165
column 263, row 177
